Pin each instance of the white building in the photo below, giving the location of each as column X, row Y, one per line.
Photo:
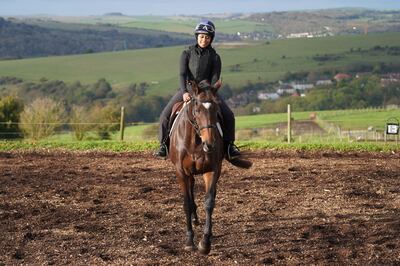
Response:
column 323, row 82
column 267, row 96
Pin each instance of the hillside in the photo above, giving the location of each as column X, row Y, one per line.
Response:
column 260, row 26
column 21, row 40
column 142, row 80
column 254, row 62
column 24, row 37
column 329, row 22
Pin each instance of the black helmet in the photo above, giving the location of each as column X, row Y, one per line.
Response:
column 206, row 27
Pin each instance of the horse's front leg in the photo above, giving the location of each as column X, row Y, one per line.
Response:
column 210, row 180
column 185, row 185
column 195, row 218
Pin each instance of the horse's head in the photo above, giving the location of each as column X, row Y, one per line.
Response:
column 205, row 114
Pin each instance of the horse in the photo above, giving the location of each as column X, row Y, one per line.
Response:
column 196, row 147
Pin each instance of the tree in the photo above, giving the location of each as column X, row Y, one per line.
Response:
column 102, row 89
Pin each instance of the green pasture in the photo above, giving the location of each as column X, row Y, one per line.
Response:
column 267, row 120
column 346, row 119
column 158, row 67
column 359, row 119
column 186, row 25
column 179, row 24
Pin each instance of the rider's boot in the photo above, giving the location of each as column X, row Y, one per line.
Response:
column 232, row 151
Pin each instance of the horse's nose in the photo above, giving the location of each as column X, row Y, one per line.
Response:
column 207, row 147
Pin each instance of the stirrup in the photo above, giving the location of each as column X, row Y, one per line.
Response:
column 163, row 148
column 234, row 149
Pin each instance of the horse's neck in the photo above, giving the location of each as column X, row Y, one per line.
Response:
column 185, row 126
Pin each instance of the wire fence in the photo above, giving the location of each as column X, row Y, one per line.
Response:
column 314, row 129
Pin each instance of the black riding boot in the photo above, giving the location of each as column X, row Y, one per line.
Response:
column 232, row 151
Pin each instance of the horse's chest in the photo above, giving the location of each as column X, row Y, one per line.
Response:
column 201, row 164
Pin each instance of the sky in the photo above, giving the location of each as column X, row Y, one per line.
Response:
column 176, row 7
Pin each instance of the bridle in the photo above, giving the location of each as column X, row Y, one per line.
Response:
column 192, row 119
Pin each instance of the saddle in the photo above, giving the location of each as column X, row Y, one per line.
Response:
column 176, row 109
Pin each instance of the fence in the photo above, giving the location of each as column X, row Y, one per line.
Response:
column 314, row 129
column 363, row 128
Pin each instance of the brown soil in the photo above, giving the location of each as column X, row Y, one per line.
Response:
column 125, row 208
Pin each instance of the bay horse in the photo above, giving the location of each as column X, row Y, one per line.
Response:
column 197, row 147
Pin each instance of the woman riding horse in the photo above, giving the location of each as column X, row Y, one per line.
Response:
column 197, row 147
column 200, row 62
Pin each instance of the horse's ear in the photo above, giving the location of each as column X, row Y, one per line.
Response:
column 204, row 84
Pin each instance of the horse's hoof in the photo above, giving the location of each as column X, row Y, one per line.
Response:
column 190, row 248
column 204, row 249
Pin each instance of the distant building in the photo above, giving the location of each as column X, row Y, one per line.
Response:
column 302, row 86
column 323, row 82
column 267, row 96
column 342, row 76
column 239, row 100
column 300, row 35
column 390, row 78
column 284, row 88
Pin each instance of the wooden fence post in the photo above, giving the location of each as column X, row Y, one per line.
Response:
column 122, row 123
column 289, row 124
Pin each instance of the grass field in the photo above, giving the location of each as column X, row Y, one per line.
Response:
column 349, row 119
column 179, row 24
column 159, row 66
column 359, row 119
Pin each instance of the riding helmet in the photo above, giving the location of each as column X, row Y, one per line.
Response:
column 206, row 27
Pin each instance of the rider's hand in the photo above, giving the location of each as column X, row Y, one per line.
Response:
column 186, row 97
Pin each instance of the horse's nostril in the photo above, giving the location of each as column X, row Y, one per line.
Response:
column 207, row 147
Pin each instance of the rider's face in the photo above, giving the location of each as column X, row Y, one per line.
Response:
column 203, row 40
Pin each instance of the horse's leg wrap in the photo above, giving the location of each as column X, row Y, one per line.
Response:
column 205, row 243
column 189, row 245
column 189, row 208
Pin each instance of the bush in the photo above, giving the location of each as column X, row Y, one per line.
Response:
column 79, row 122
column 106, row 120
column 10, row 110
column 41, row 118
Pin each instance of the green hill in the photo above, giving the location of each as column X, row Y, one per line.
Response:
column 242, row 63
column 44, row 38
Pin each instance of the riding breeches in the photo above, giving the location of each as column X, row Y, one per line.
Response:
column 227, row 116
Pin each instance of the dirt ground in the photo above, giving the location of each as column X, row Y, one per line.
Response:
column 292, row 207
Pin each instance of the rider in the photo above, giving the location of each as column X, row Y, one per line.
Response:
column 200, row 62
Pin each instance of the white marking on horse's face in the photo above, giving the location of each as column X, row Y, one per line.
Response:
column 207, row 105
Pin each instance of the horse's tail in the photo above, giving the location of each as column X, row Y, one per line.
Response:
column 241, row 163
